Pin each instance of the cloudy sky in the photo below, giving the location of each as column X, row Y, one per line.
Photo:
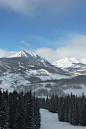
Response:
column 53, row 29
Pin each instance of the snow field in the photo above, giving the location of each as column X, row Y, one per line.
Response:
column 9, row 80
column 45, row 75
column 50, row 121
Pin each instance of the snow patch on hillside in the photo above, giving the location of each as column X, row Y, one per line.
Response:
column 45, row 75
column 10, row 80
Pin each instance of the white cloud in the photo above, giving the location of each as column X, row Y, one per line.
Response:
column 27, row 44
column 31, row 7
column 75, row 47
column 4, row 53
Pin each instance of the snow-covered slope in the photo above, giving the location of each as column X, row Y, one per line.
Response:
column 63, row 63
column 70, row 63
column 73, row 65
column 28, row 73
column 23, row 73
column 50, row 121
column 67, row 64
column 83, row 60
column 25, row 53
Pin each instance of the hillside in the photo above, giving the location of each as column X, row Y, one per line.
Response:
column 72, row 65
column 25, row 71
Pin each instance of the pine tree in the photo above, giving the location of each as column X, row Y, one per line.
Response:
column 75, row 119
column 66, row 111
column 47, row 103
column 71, row 108
column 13, row 108
column 61, row 111
column 83, row 114
column 3, row 111
column 52, row 104
column 56, row 103
column 29, row 112
column 37, row 115
column 20, row 112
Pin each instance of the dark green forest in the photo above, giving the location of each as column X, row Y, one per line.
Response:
column 22, row 110
column 19, row 111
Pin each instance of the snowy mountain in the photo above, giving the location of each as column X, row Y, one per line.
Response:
column 21, row 73
column 69, row 63
column 25, row 53
column 25, row 71
column 73, row 65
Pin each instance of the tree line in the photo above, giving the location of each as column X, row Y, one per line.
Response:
column 70, row 108
column 19, row 111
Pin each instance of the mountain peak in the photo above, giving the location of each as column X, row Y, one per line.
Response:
column 63, row 63
column 70, row 62
column 23, row 53
column 75, row 60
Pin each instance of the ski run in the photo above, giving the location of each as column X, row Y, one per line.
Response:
column 50, row 121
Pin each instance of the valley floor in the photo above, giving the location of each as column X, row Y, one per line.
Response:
column 50, row 121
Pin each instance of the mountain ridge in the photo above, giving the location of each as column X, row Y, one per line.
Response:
column 27, row 72
column 62, row 63
column 20, row 73
column 71, row 65
column 25, row 53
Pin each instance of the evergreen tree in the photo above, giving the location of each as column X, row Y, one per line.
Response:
column 20, row 113
column 83, row 114
column 52, row 105
column 71, row 108
column 3, row 111
column 29, row 113
column 66, row 111
column 47, row 103
column 75, row 119
column 56, row 103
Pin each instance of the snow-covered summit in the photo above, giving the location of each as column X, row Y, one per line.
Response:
column 23, row 53
column 63, row 63
column 70, row 63
column 75, row 60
